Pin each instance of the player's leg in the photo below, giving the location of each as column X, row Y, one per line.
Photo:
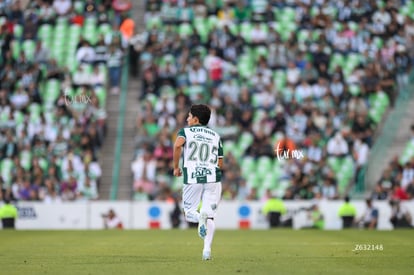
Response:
column 210, row 200
column 191, row 200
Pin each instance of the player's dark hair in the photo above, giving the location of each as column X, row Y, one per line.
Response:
column 202, row 112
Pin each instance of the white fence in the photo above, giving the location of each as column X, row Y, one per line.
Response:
column 146, row 215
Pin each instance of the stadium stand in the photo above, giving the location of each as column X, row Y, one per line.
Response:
column 312, row 76
column 397, row 179
column 53, row 78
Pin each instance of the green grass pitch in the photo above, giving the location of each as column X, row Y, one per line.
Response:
column 179, row 252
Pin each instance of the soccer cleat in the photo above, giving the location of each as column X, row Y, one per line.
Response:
column 202, row 225
column 206, row 255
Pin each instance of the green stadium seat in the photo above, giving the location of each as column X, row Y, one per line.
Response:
column 35, row 108
column 245, row 66
column 29, row 47
column 194, row 91
column 270, row 181
column 379, row 42
column 229, row 147
column 287, row 14
column 280, row 79
column 337, row 59
column 18, row 118
column 104, row 29
column 51, row 93
column 212, row 22
column 375, row 115
column 260, row 51
column 6, row 167
column 154, row 22
column 26, row 159
column 16, row 48
column 79, row 6
column 245, row 31
column 201, row 25
column 100, row 93
column 303, row 35
column 355, row 89
column 18, row 31
column 253, row 181
column 245, row 140
column 334, row 163
column 45, row 34
column 247, row 165
column 185, row 30
column 264, row 165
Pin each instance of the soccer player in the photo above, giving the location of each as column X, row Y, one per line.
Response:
column 202, row 162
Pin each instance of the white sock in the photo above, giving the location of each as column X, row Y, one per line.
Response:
column 211, row 227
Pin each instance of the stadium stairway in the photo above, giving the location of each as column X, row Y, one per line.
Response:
column 392, row 136
column 119, row 187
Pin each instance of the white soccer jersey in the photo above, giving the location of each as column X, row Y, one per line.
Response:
column 201, row 151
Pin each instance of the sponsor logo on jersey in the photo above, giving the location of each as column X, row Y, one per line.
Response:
column 201, row 172
column 202, row 138
column 202, row 129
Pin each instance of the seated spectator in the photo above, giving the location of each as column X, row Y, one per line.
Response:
column 410, row 190
column 407, row 174
column 398, row 193
column 163, row 152
column 49, row 193
column 54, row 71
column 103, row 17
column 90, row 8
column 46, row 13
column 337, row 146
column 293, row 73
column 111, row 220
column 260, row 146
column 143, row 169
column 197, row 75
column 62, row 7
column 80, row 77
column 85, row 53
column 9, row 147
column 258, row 35
column 97, row 78
column 19, row 99
column 77, row 18
column 379, row 193
column 88, row 190
column 214, row 65
column 101, row 52
column 400, row 216
column 329, row 189
column 370, row 218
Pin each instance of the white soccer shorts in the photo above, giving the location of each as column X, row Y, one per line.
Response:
column 208, row 193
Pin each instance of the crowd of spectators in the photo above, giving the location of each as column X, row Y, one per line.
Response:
column 57, row 57
column 397, row 180
column 315, row 76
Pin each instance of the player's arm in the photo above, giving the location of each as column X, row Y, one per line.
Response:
column 220, row 155
column 220, row 162
column 178, row 145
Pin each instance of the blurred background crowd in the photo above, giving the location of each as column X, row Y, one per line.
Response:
column 59, row 59
column 298, row 90
column 312, row 76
